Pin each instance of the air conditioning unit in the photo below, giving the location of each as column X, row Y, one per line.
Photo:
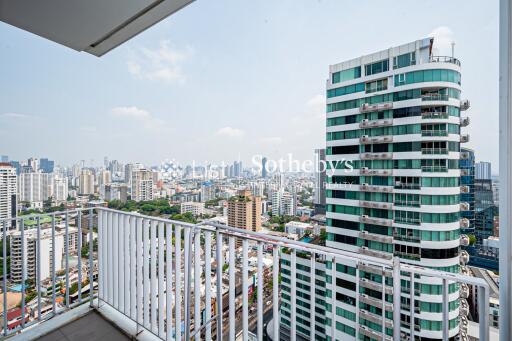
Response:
column 464, row 240
column 464, row 222
column 364, row 247
column 365, row 232
column 365, row 120
column 364, row 169
column 464, row 104
column 365, row 216
column 365, row 137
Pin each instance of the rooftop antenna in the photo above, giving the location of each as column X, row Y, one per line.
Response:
column 453, row 49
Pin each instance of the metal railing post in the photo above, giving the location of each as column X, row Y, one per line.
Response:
column 413, row 303
column 219, row 283
column 91, row 263
column 275, row 291
column 396, row 298
column 38, row 268
column 259, row 295
column 483, row 313
column 79, row 252
column 4, row 247
column 188, row 279
column 66, row 252
column 23, row 272
column 446, row 309
column 54, row 275
column 232, row 287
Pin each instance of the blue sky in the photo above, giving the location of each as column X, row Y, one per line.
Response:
column 226, row 79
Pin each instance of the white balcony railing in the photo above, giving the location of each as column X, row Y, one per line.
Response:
column 169, row 278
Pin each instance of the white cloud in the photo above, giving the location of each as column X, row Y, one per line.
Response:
column 161, row 64
column 13, row 115
column 143, row 117
column 230, row 132
column 443, row 38
column 131, row 112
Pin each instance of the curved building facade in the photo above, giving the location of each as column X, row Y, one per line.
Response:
column 396, row 116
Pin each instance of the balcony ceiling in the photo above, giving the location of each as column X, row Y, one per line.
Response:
column 93, row 26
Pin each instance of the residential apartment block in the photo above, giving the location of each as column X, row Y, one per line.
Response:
column 8, row 194
column 244, row 211
column 395, row 117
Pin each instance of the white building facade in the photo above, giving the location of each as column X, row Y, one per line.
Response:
column 8, row 194
column 34, row 188
column 142, row 185
column 395, row 115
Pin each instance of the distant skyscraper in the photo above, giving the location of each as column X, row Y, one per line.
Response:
column 236, row 169
column 16, row 165
column 142, row 185
column 86, row 182
column 104, row 178
column 483, row 194
column 60, row 189
column 8, row 193
column 128, row 170
column 284, row 203
column 244, row 211
column 483, row 170
column 46, row 166
column 467, row 179
column 207, row 191
column 33, row 163
column 4, row 158
column 34, row 188
column 264, row 167
column 320, row 178
column 115, row 191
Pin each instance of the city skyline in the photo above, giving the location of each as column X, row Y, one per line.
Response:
column 154, row 115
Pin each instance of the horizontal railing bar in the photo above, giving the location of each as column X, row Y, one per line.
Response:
column 40, row 215
column 444, row 275
column 284, row 242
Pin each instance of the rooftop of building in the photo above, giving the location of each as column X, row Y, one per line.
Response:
column 383, row 54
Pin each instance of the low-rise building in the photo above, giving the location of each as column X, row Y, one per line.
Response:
column 300, row 229
column 196, row 208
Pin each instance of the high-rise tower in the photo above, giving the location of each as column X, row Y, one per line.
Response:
column 394, row 116
column 8, row 194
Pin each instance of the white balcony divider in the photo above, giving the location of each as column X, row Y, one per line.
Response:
column 159, row 273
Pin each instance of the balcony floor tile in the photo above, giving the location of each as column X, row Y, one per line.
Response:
column 91, row 327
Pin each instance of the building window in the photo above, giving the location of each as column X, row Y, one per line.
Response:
column 404, row 60
column 377, row 67
column 345, row 75
column 378, row 85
